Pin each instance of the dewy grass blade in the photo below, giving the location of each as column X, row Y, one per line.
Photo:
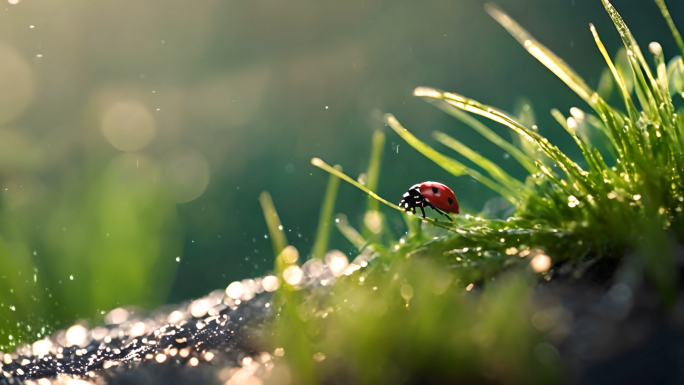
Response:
column 675, row 32
column 666, row 109
column 631, row 109
column 320, row 245
column 453, row 166
column 590, row 120
column 541, row 53
column 494, row 170
column 478, row 126
column 675, row 76
column 595, row 162
column 571, row 169
column 614, row 123
column 475, row 107
column 651, row 95
column 524, row 113
column 322, row 165
column 661, row 68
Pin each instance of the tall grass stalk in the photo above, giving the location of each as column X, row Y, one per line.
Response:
column 320, row 245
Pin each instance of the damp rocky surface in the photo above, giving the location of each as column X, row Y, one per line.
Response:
column 163, row 348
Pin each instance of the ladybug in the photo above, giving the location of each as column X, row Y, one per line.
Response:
column 431, row 194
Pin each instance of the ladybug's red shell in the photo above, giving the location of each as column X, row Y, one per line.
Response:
column 439, row 196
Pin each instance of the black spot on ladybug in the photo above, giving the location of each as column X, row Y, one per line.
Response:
column 435, row 191
column 451, row 201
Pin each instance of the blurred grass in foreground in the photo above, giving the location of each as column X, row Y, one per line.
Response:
column 111, row 240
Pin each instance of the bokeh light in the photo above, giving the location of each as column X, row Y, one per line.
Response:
column 249, row 289
column 187, row 176
column 128, row 126
column 76, row 335
column 42, row 347
column 540, row 263
column 137, row 329
column 175, row 317
column 116, row 316
column 200, row 307
column 313, row 268
column 290, row 254
column 293, row 275
column 16, row 76
column 373, row 221
column 270, row 283
column 337, row 262
column 235, row 290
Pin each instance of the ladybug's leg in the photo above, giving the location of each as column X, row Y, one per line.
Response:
column 422, row 210
column 441, row 212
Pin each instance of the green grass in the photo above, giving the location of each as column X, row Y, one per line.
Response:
column 451, row 301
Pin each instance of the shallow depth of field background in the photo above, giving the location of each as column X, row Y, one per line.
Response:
column 136, row 136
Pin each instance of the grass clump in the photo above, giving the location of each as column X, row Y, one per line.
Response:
column 453, row 301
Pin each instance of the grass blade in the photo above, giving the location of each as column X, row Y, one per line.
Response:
column 485, row 131
column 453, row 166
column 322, row 165
column 670, row 23
column 624, row 68
column 651, row 97
column 494, row 170
column 373, row 172
column 543, row 54
column 592, row 157
column 661, row 68
column 320, row 245
column 675, row 76
column 525, row 115
column 275, row 228
column 666, row 109
column 631, row 109
column 571, row 169
column 605, row 86
column 349, row 232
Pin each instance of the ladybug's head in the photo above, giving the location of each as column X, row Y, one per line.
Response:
column 440, row 196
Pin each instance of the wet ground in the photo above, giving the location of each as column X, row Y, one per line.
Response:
column 186, row 350
column 606, row 326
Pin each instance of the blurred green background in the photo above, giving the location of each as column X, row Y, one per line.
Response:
column 136, row 136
